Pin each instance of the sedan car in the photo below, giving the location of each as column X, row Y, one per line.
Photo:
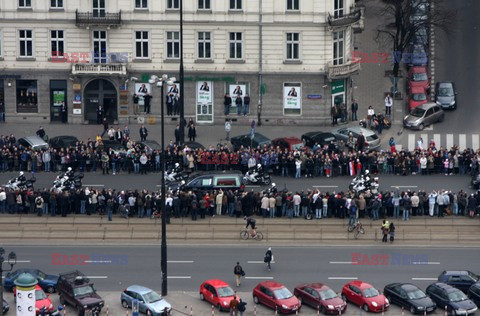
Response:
column 318, row 137
column 246, row 141
column 47, row 282
column 423, row 115
column 194, row 145
column 59, row 142
column 150, row 302
column 290, row 143
column 474, row 293
column 454, row 300
column 115, row 146
column 418, row 77
column 410, row 297
column 372, row 139
column 218, row 293
column 149, row 146
column 35, row 142
column 418, row 55
column 418, row 96
column 319, row 295
column 42, row 301
column 6, row 307
column 462, row 279
column 364, row 295
column 276, row 296
column 445, row 95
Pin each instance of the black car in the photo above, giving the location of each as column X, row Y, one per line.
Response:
column 410, row 297
column 115, row 146
column 76, row 290
column 194, row 145
column 446, row 95
column 462, row 280
column 246, row 141
column 474, row 293
column 213, row 180
column 454, row 300
column 59, row 142
column 6, row 307
column 318, row 137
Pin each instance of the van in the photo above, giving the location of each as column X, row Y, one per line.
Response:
column 215, row 180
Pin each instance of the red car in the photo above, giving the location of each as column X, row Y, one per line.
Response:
column 418, row 77
column 291, row 143
column 365, row 296
column 276, row 296
column 41, row 300
column 318, row 294
column 218, row 293
column 418, row 96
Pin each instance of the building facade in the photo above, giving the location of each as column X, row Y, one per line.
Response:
column 292, row 57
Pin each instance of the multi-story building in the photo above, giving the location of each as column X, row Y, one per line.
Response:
column 293, row 57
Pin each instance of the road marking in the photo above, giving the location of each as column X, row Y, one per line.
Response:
column 424, row 279
column 93, row 185
column 23, row 261
column 179, row 277
column 428, row 262
column 449, row 141
column 259, row 278
column 98, row 261
column 474, row 141
column 429, row 128
column 424, row 140
column 404, row 186
column 342, row 278
column 260, row 262
column 252, row 186
column 97, row 277
column 411, row 142
column 325, row 186
column 462, row 141
column 437, row 140
column 186, row 261
column 341, row 262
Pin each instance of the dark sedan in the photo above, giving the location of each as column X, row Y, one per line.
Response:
column 454, row 300
column 318, row 137
column 319, row 295
column 58, row 142
column 462, row 279
column 474, row 293
column 410, row 297
column 246, row 141
column 194, row 145
column 47, row 282
column 149, row 146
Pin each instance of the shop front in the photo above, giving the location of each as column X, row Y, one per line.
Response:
column 100, row 92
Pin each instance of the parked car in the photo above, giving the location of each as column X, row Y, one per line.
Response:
column 418, row 77
column 218, row 293
column 59, row 142
column 423, row 115
column 420, row 10
column 276, row 296
column 149, row 146
column 454, row 300
column 418, row 55
column 371, row 138
column 410, row 297
column 214, row 180
column 258, row 140
column 47, row 282
column 446, row 95
column 6, row 307
column 364, row 295
column 417, row 96
column 35, row 142
column 290, row 143
column 194, row 145
column 318, row 137
column 149, row 301
column 462, row 279
column 75, row 289
column 320, row 295
column 42, row 301
column 421, row 37
column 113, row 145
column 474, row 293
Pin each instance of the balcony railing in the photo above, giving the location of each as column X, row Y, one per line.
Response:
column 99, row 69
column 104, row 19
column 345, row 19
column 342, row 71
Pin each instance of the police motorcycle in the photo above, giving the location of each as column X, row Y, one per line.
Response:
column 257, row 175
column 67, row 181
column 175, row 174
column 20, row 182
column 363, row 182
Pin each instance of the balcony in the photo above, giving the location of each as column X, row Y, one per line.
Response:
column 99, row 69
column 87, row 19
column 342, row 71
column 354, row 16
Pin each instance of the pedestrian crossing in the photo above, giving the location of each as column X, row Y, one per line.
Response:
column 446, row 141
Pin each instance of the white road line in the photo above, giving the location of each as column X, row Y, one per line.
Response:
column 462, row 141
column 179, row 277
column 449, row 141
column 24, row 261
column 178, row 261
column 411, row 142
column 424, row 279
column 98, row 261
column 437, row 139
column 475, row 141
column 260, row 262
column 404, row 186
column 342, row 278
column 325, row 186
column 429, row 128
column 341, row 262
column 93, row 185
column 428, row 262
column 259, row 278
column 97, row 277
column 425, row 140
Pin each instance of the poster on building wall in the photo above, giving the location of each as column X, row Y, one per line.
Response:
column 292, row 96
column 237, row 91
column 58, row 97
column 204, row 101
column 142, row 89
column 173, row 91
column 77, row 98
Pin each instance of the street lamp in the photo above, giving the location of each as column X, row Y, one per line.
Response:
column 182, row 80
column 160, row 83
column 11, row 260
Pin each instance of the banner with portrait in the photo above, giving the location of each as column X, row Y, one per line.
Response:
column 237, row 91
column 142, row 89
column 204, row 101
column 292, row 98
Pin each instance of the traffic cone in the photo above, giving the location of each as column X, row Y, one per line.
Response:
column 446, row 311
column 403, row 311
column 191, row 310
column 213, row 310
column 318, row 310
column 64, row 310
column 107, row 310
column 254, row 310
column 425, row 312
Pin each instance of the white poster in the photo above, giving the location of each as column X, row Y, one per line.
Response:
column 292, row 96
column 174, row 91
column 26, row 302
column 142, row 89
column 204, row 92
column 237, row 91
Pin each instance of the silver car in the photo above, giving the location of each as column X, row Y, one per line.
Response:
column 371, row 138
column 35, row 142
column 149, row 301
column 423, row 115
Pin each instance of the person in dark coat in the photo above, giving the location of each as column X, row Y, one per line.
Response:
column 177, row 134
column 192, row 132
column 360, row 142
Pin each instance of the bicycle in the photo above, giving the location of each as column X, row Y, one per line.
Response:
column 357, row 229
column 245, row 234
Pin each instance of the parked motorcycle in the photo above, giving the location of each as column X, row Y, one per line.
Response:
column 252, row 176
column 20, row 183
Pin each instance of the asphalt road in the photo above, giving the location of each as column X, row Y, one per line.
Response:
column 338, row 184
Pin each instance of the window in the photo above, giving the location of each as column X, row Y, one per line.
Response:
column 141, row 44
column 2, row 100
column 173, row 4
column 338, row 8
column 338, row 49
column 235, row 4
column 293, row 46
column 24, row 3
column 26, row 43
column 293, row 5
column 27, row 96
column 173, row 44
column 1, row 45
column 99, row 8
column 204, row 45
column 99, row 47
column 235, row 45
column 57, row 43
column 204, row 5
column 56, row 4
column 141, row 4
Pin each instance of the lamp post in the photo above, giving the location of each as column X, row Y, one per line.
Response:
column 11, row 260
column 160, row 81
column 182, row 80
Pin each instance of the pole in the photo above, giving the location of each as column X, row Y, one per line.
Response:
column 1, row 283
column 162, row 200
column 182, row 80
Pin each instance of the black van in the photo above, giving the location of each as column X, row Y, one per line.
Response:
column 214, row 180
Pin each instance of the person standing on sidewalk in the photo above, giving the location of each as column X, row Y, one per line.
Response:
column 228, row 129
column 268, row 258
column 238, row 272
column 227, row 102
column 143, row 133
column 234, row 305
column 241, row 307
column 354, row 109
column 392, row 232
column 388, row 104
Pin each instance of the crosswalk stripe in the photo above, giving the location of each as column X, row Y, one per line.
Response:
column 411, row 142
column 475, row 141
column 462, row 141
column 425, row 140
column 446, row 141
column 437, row 140
column 449, row 141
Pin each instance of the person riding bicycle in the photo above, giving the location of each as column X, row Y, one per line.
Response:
column 251, row 222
